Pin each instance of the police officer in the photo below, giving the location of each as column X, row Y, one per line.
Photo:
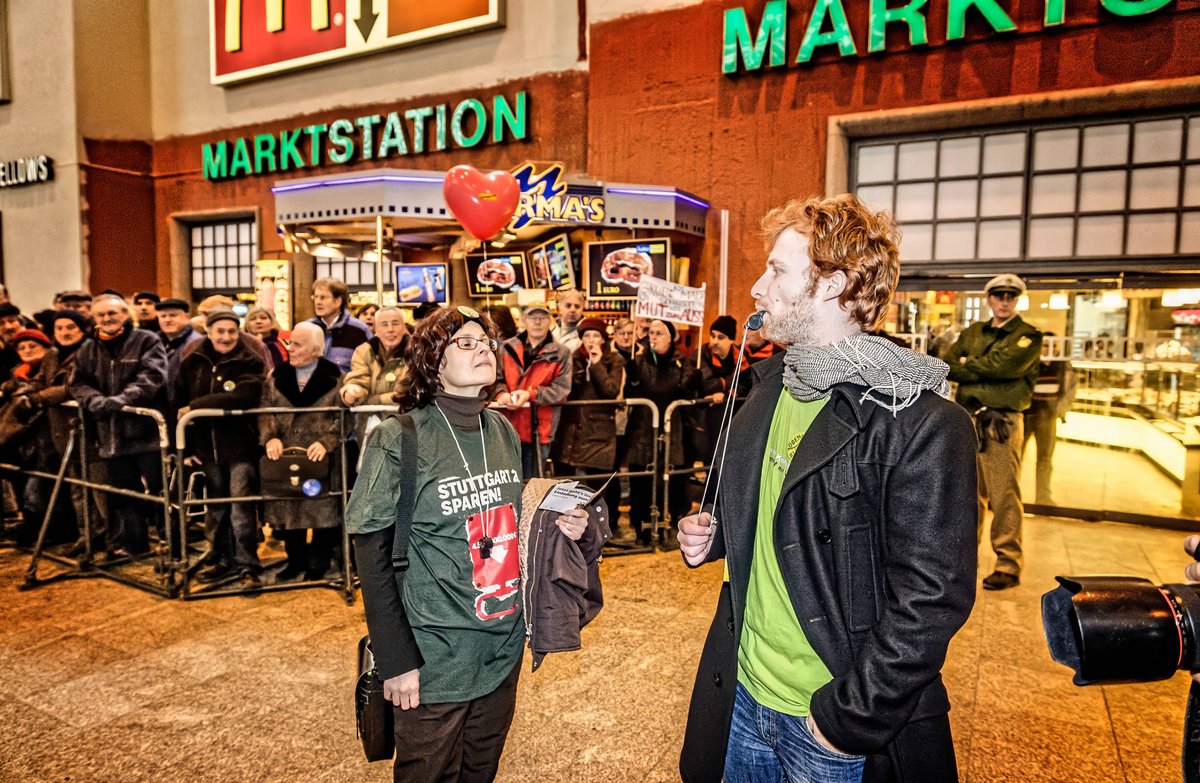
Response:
column 995, row 364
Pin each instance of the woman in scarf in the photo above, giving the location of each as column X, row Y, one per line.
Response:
column 306, row 381
column 448, row 644
column 262, row 323
column 663, row 376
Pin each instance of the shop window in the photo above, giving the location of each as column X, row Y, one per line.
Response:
column 222, row 256
column 357, row 273
column 1126, row 188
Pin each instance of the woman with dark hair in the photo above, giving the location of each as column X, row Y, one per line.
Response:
column 502, row 317
column 448, row 643
column 662, row 375
column 586, row 442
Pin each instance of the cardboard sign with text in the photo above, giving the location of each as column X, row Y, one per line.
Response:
column 665, row 301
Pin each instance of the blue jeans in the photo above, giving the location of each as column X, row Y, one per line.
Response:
column 766, row 746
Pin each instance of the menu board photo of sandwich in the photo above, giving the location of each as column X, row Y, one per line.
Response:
column 420, row 283
column 614, row 270
column 495, row 274
column 550, row 264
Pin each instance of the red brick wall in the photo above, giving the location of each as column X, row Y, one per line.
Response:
column 119, row 215
column 661, row 112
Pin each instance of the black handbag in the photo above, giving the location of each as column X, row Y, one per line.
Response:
column 374, row 714
column 294, row 474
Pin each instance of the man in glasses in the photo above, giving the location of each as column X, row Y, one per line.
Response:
column 995, row 364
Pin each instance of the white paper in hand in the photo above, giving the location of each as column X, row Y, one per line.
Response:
column 566, row 496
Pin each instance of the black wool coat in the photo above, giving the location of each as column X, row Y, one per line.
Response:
column 587, row 435
column 231, row 381
column 875, row 534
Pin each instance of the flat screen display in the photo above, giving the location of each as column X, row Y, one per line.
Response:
column 495, row 274
column 550, row 264
column 614, row 270
column 420, row 283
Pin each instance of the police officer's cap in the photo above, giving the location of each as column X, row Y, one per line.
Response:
column 1005, row 282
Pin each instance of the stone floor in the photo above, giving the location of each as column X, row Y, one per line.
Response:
column 101, row 682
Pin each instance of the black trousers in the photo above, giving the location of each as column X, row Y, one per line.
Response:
column 640, row 488
column 459, row 742
column 129, row 520
column 314, row 558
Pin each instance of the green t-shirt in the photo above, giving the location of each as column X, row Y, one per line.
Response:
column 776, row 664
column 463, row 608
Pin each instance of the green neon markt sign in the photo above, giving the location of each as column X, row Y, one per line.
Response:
column 827, row 25
column 373, row 137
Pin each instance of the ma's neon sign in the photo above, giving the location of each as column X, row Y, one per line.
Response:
column 546, row 197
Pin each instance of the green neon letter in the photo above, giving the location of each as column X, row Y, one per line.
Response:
column 289, row 150
column 456, row 123
column 418, row 117
column 439, row 128
column 216, row 160
column 840, row 34
column 956, row 22
column 1133, row 7
column 241, row 159
column 772, row 36
column 1056, row 12
column 367, row 124
column 882, row 16
column 393, row 137
column 504, row 116
column 314, row 142
column 341, row 146
column 264, row 151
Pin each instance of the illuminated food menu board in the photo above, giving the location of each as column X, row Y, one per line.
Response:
column 614, row 270
column 495, row 274
column 550, row 264
column 421, row 283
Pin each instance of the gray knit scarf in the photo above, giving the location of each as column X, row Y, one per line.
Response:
column 866, row 360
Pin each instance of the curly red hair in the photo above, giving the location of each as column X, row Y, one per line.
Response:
column 845, row 236
column 425, row 348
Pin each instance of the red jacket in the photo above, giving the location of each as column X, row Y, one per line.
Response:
column 546, row 376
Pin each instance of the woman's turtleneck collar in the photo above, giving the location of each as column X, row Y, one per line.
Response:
column 660, row 358
column 461, row 412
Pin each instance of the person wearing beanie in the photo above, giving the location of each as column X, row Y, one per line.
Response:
column 587, row 434
column 145, row 310
column 10, row 324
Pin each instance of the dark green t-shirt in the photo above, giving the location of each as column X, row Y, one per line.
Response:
column 463, row 608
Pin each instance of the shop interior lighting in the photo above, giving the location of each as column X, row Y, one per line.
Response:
column 354, row 181
column 661, row 194
column 328, row 251
column 1112, row 300
column 1180, row 296
column 1060, row 301
column 1022, row 303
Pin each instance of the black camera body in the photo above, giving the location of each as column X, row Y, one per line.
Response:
column 1112, row 629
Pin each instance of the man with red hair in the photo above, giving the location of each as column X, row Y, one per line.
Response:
column 847, row 526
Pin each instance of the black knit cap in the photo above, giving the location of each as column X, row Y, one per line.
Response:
column 140, row 295
column 725, row 325
column 76, row 317
column 8, row 309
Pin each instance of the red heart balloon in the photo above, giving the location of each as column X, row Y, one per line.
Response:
column 483, row 203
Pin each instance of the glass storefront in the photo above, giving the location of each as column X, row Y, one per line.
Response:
column 1120, row 395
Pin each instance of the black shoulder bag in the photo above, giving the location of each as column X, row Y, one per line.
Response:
column 373, row 712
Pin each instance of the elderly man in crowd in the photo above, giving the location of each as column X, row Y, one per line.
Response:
column 145, row 310
column 123, row 367
column 10, row 324
column 224, row 373
column 343, row 332
column 571, row 305
column 376, row 367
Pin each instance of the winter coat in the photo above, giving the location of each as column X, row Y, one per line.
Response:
column 546, row 376
column 302, row 430
column 53, row 383
column 560, row 578
column 276, row 344
column 346, row 334
column 230, row 381
column 256, row 346
column 875, row 536
column 177, row 347
column 662, row 379
column 1001, row 365
column 587, row 435
column 26, row 430
column 378, row 375
column 130, row 370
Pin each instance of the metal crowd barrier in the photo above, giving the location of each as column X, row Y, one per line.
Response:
column 154, row 571
column 650, row 471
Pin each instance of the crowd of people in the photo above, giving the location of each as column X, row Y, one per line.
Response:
column 111, row 354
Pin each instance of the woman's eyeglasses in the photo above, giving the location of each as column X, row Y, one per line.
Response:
column 471, row 343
